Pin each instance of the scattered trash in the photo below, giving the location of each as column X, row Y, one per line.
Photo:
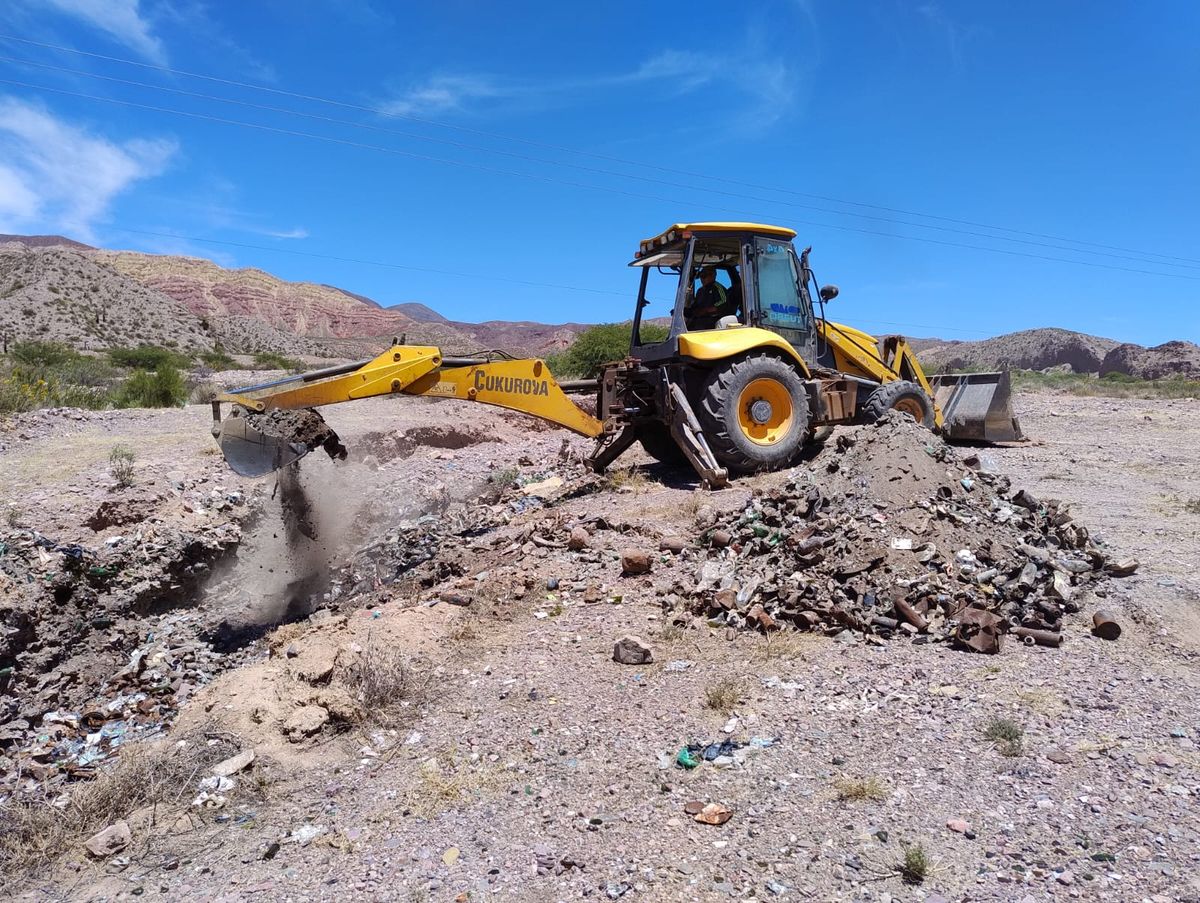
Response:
column 1105, row 626
column 306, row 834
column 685, row 758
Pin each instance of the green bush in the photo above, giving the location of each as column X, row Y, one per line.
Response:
column 598, row 345
column 269, row 360
column 42, row 354
column 147, row 357
column 163, row 388
column 217, row 359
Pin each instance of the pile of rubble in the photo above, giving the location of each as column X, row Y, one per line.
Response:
column 899, row 536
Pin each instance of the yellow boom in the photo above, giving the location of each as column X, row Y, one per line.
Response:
column 520, row 385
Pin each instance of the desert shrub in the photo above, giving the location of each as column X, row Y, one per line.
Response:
column 41, row 354
column 147, row 357
column 120, row 465
column 217, row 359
column 163, row 388
column 598, row 345
column 203, row 392
column 269, row 360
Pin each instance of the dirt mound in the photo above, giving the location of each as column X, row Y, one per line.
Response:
column 1030, row 349
column 897, row 535
column 1171, row 360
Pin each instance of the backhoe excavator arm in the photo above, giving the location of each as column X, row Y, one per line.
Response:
column 253, row 447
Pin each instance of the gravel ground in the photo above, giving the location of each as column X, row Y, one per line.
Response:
column 537, row 768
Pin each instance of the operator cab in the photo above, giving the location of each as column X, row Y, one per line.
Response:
column 763, row 281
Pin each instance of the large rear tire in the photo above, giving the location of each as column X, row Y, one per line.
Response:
column 659, row 444
column 900, row 395
column 754, row 413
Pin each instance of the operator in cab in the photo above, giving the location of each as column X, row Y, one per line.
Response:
column 712, row 302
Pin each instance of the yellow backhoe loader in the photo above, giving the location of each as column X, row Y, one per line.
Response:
column 750, row 371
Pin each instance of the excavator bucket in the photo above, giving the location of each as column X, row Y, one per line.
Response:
column 256, row 444
column 976, row 406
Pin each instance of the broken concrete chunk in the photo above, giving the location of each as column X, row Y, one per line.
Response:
column 632, row 650
column 233, row 764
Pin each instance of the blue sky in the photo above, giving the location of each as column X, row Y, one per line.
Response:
column 500, row 161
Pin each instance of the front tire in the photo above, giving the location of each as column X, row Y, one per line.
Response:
column 754, row 412
column 900, row 395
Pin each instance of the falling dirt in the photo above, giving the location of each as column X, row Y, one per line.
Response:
column 305, row 427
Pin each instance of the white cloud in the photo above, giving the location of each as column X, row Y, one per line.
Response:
column 298, row 232
column 447, row 93
column 59, row 177
column 122, row 19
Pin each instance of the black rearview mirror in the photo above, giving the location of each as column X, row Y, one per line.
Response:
column 829, row 292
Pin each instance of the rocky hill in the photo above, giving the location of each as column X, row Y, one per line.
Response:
column 58, row 293
column 1030, row 349
column 1166, row 361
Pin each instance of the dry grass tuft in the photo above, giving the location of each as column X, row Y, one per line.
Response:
column 724, row 695
column 915, row 865
column 631, row 478
column 786, row 644
column 1007, row 734
column 446, row 781
column 857, row 790
column 383, row 680
column 33, row 833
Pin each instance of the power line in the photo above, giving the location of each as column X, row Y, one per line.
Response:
column 589, row 169
column 570, row 183
column 578, row 151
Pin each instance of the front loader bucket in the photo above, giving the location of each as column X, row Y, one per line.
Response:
column 976, row 406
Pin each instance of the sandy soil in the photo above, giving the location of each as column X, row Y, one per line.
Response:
column 531, row 766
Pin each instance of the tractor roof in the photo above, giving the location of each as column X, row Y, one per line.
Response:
column 677, row 231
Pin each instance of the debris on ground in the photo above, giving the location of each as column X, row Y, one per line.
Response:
column 902, row 539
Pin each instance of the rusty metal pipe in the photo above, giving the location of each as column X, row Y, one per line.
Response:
column 1105, row 626
column 1041, row 637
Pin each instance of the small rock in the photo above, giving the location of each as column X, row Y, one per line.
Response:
column 1165, row 760
column 578, row 540
column 635, row 561
column 450, row 856
column 721, row 538
column 694, row 807
column 958, row 825
column 1065, row 878
column 110, row 841
column 632, row 650
column 673, row 544
column 452, row 598
column 1122, row 567
column 305, row 721
column 1058, row 756
column 714, row 814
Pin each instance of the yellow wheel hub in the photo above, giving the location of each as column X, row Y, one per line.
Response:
column 911, row 407
column 765, row 411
